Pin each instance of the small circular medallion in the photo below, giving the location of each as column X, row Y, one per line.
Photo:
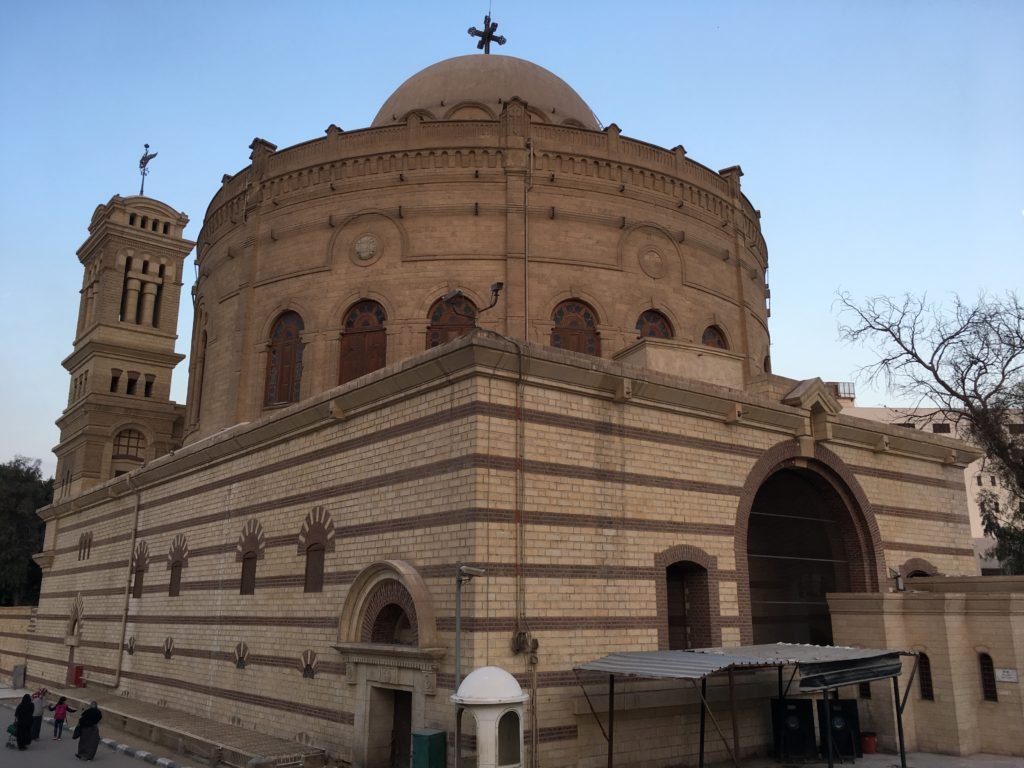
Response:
column 652, row 264
column 365, row 249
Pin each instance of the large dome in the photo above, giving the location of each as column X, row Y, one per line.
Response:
column 475, row 87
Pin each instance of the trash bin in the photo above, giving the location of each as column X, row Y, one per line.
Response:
column 868, row 743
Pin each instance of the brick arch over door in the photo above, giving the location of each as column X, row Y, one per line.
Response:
column 362, row 602
column 686, row 553
column 867, row 570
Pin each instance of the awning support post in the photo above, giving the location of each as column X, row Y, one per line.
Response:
column 611, row 721
column 780, row 734
column 703, row 695
column 828, row 727
column 714, row 722
column 732, row 713
column 899, row 721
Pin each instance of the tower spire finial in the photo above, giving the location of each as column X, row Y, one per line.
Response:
column 143, row 167
column 487, row 36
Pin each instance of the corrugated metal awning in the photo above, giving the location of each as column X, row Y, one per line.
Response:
column 820, row 666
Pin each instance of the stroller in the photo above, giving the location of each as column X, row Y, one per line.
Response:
column 12, row 729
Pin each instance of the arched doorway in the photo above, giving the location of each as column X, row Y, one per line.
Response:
column 805, row 529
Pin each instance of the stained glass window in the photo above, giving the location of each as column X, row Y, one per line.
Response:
column 364, row 341
column 653, row 324
column 284, row 360
column 713, row 337
column 450, row 319
column 575, row 328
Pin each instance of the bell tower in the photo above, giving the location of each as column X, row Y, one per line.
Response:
column 120, row 414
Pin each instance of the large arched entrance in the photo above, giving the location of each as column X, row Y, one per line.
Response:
column 805, row 530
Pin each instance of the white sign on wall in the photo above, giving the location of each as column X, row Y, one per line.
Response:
column 1006, row 675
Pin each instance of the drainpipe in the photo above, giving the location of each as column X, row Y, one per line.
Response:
column 128, row 581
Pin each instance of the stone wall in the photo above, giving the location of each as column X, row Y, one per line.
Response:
column 15, row 624
column 571, row 488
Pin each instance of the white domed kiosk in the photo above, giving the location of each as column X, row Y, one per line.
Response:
column 495, row 701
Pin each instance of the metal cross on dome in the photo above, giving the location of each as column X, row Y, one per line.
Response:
column 487, row 36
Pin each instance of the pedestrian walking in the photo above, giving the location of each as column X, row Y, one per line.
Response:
column 60, row 714
column 89, row 732
column 23, row 719
column 38, row 709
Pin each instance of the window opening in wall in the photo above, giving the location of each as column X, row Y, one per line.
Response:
column 924, row 676
column 308, row 672
column 978, row 479
column 905, row 425
column 1015, row 429
column 148, row 390
column 133, row 382
column 392, row 626
column 284, row 360
column 248, row 585
column 714, row 337
column 988, row 677
column 363, row 341
column 131, row 220
column 315, row 568
column 940, row 429
column 450, row 319
column 129, row 444
column 115, row 379
column 992, row 479
column 575, row 328
column 508, row 739
column 145, row 221
column 137, row 585
column 689, row 606
column 653, row 324
column 156, row 224
column 864, row 690
column 167, row 227
column 174, row 589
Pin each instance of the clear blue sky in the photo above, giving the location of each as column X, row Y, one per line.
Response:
column 882, row 141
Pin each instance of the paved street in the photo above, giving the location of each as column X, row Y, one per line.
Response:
column 47, row 753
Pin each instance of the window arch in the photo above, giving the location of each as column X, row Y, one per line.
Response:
column 363, row 340
column 284, row 360
column 575, row 328
column 988, row 677
column 689, row 605
column 177, row 559
column 924, row 676
column 129, row 445
column 140, row 564
column 316, row 538
column 653, row 324
column 450, row 319
column 713, row 336
column 249, row 550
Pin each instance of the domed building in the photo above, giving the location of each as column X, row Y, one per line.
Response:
column 328, row 260
column 484, row 331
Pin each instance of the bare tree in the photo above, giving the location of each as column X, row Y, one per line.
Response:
column 965, row 361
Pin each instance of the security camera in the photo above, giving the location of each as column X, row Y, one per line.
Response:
column 469, row 571
column 496, row 287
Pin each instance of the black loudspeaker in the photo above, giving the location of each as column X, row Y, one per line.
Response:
column 845, row 728
column 793, row 729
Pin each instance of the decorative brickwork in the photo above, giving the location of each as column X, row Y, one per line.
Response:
column 389, row 614
column 317, row 528
column 251, row 541
column 178, row 553
column 917, row 566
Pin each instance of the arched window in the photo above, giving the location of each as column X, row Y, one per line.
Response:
column 248, row 585
column 713, row 337
column 924, row 675
column 177, row 559
column 575, row 328
column 689, row 606
column 988, row 677
column 284, row 361
column 130, row 445
column 363, row 341
column 653, row 324
column 140, row 564
column 798, row 550
column 392, row 626
column 508, row 739
column 450, row 319
column 315, row 567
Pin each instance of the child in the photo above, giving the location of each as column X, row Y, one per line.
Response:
column 60, row 712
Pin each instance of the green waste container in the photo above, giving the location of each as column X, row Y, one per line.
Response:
column 428, row 748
